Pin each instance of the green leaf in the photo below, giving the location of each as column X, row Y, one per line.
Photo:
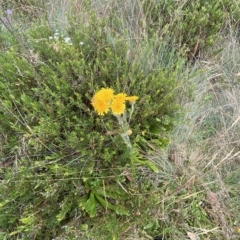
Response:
column 150, row 164
column 90, row 206
column 113, row 192
column 65, row 209
column 84, row 227
column 121, row 210
column 15, row 232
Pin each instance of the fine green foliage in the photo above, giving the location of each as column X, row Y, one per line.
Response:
column 66, row 160
column 25, row 11
column 70, row 169
column 193, row 25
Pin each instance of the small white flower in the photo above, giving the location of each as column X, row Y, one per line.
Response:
column 67, row 39
column 50, row 38
column 81, row 43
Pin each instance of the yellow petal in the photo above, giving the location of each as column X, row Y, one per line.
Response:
column 132, row 99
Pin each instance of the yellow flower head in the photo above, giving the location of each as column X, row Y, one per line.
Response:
column 129, row 132
column 100, row 107
column 132, row 99
column 120, row 97
column 102, row 99
column 118, row 107
column 105, row 94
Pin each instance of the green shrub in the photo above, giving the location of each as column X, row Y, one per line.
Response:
column 193, row 25
column 67, row 162
column 26, row 11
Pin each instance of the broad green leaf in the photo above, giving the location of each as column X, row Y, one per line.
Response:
column 149, row 163
column 121, row 210
column 14, row 232
column 113, row 192
column 90, row 206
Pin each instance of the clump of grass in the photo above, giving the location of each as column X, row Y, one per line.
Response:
column 206, row 144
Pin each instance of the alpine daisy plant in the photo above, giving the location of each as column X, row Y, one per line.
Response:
column 105, row 100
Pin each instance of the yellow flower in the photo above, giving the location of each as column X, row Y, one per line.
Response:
column 105, row 95
column 118, row 107
column 100, row 107
column 120, row 97
column 102, row 99
column 129, row 132
column 132, row 99
column 105, row 99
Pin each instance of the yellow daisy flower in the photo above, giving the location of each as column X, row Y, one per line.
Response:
column 102, row 99
column 105, row 94
column 120, row 97
column 132, row 99
column 100, row 107
column 129, row 132
column 118, row 107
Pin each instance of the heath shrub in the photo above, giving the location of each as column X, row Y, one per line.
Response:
column 64, row 160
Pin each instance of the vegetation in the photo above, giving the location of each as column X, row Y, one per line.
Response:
column 119, row 120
